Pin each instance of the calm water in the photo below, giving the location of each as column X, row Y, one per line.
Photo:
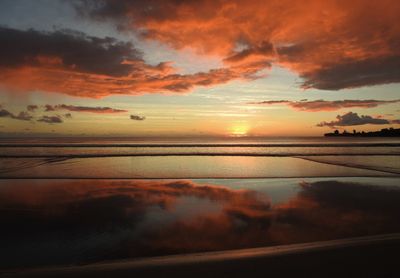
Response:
column 70, row 201
column 229, row 158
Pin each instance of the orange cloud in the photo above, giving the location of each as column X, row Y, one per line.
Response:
column 331, row 44
column 96, row 67
column 325, row 105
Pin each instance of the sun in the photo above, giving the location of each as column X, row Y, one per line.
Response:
column 239, row 130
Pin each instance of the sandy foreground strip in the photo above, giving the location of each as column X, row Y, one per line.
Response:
column 370, row 256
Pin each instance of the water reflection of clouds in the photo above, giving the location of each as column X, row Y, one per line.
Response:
column 332, row 209
column 109, row 219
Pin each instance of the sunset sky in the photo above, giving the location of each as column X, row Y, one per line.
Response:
column 198, row 68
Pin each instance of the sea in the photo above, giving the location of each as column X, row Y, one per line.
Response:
column 74, row 201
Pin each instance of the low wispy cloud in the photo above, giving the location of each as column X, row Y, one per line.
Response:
column 51, row 119
column 352, row 119
column 23, row 116
column 31, row 107
column 48, row 108
column 26, row 116
column 137, row 118
column 5, row 114
column 326, row 105
column 75, row 108
column 270, row 102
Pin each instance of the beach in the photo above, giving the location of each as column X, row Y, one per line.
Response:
column 171, row 138
column 115, row 207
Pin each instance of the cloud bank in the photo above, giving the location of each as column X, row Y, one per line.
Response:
column 331, row 44
column 324, row 105
column 76, row 64
column 352, row 119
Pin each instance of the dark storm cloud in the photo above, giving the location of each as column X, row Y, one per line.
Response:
column 70, row 49
column 325, row 105
column 351, row 119
column 137, row 118
column 50, row 119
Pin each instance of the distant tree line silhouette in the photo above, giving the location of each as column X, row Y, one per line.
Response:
column 385, row 132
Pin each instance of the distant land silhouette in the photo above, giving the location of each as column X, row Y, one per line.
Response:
column 386, row 132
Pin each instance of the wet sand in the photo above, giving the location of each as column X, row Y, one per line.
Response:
column 189, row 167
column 372, row 256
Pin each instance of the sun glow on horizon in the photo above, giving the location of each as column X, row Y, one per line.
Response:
column 239, row 130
